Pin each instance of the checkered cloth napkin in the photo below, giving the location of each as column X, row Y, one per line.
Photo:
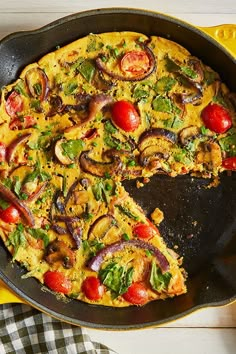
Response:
column 24, row 330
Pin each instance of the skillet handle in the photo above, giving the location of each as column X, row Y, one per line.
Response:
column 224, row 34
column 7, row 296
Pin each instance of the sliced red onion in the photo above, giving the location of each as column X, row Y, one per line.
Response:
column 70, row 191
column 96, row 261
column 76, row 233
column 14, row 144
column 58, row 229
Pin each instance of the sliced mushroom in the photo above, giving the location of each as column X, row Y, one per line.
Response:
column 101, row 83
column 149, row 137
column 152, row 153
column 58, row 251
column 188, row 134
column 101, row 226
column 210, row 155
column 100, row 169
column 60, row 154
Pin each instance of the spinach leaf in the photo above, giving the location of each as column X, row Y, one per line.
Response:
column 20, row 88
column 188, row 72
column 117, row 278
column 109, row 127
column 3, row 204
column 159, row 281
column 228, row 144
column 127, row 212
column 17, row 239
column 162, row 104
column 101, row 192
column 39, row 234
column 164, row 84
column 92, row 247
column 72, row 148
column 170, row 65
column 70, row 88
column 38, row 173
column 87, row 70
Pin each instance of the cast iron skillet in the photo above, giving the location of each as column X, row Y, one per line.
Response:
column 200, row 221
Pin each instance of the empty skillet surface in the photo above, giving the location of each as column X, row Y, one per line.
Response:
column 199, row 221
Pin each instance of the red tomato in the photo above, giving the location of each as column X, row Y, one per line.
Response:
column 145, row 231
column 92, row 288
column 136, row 294
column 216, row 118
column 135, row 61
column 14, row 104
column 125, row 116
column 10, row 214
column 58, row 282
column 229, row 163
column 26, row 122
column 2, row 152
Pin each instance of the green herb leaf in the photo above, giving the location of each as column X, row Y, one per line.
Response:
column 87, row 70
column 17, row 239
column 70, row 88
column 72, row 148
column 37, row 88
column 139, row 92
column 3, row 204
column 164, row 84
column 159, row 281
column 39, row 234
column 171, row 66
column 162, row 104
column 116, row 278
column 20, row 88
column 189, row 72
column 228, row 144
column 127, row 212
column 109, row 127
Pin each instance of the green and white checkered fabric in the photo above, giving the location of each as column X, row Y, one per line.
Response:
column 24, row 330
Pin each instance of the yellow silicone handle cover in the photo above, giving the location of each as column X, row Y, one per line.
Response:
column 226, row 36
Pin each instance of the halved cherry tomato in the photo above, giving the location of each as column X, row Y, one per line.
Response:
column 92, row 288
column 2, row 152
column 14, row 104
column 145, row 231
column 125, row 116
column 136, row 62
column 10, row 214
column 26, row 122
column 229, row 163
column 136, row 294
column 216, row 118
column 58, row 282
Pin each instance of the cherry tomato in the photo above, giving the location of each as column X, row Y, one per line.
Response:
column 14, row 104
column 135, row 61
column 125, row 116
column 58, row 282
column 2, row 152
column 136, row 294
column 26, row 122
column 229, row 163
column 145, row 231
column 216, row 118
column 92, row 288
column 10, row 214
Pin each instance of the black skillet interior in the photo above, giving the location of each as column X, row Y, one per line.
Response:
column 199, row 220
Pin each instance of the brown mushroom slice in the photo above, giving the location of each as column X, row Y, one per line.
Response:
column 60, row 154
column 101, row 226
column 100, row 169
column 150, row 136
column 188, row 134
column 210, row 155
column 153, row 153
column 58, row 252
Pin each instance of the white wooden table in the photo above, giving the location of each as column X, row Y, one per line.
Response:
column 209, row 331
